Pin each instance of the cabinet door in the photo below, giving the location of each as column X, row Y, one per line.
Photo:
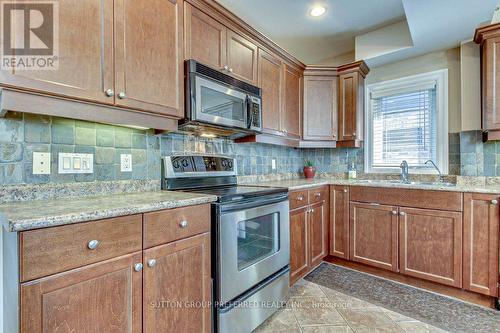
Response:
column 270, row 81
column 431, row 245
column 148, row 55
column 320, row 108
column 350, row 112
column 177, row 286
column 481, row 219
column 241, row 57
column 103, row 297
column 205, row 38
column 85, row 59
column 490, row 83
column 318, row 232
column 291, row 112
column 374, row 235
column 299, row 252
column 339, row 221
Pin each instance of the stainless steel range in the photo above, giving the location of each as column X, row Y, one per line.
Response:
column 250, row 240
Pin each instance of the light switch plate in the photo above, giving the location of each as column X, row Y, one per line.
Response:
column 126, row 163
column 41, row 163
column 75, row 163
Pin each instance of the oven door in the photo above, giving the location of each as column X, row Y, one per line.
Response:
column 219, row 104
column 254, row 243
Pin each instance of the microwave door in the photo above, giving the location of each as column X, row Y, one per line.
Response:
column 218, row 104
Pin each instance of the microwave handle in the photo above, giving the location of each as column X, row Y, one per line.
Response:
column 249, row 111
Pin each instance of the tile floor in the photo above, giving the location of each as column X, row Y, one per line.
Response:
column 316, row 309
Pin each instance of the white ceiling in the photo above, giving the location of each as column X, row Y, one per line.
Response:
column 434, row 24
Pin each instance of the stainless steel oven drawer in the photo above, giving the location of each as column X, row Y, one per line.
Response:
column 255, row 307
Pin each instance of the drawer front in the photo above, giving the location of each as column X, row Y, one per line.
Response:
column 170, row 225
column 298, row 199
column 317, row 195
column 441, row 200
column 53, row 250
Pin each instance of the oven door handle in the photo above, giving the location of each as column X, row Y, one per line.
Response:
column 231, row 207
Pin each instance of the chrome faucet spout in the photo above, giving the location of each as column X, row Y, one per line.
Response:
column 405, row 177
column 441, row 178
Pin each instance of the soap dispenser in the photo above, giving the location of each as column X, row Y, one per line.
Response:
column 352, row 172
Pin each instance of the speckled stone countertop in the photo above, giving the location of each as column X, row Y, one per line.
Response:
column 19, row 216
column 298, row 184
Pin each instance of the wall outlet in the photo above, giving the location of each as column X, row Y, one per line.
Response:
column 125, row 163
column 75, row 163
column 273, row 164
column 41, row 163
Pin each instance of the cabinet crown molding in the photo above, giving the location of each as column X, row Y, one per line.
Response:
column 488, row 31
column 358, row 66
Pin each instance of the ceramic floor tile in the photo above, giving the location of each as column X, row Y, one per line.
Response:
column 316, row 311
column 419, row 327
column 303, row 288
column 369, row 319
column 326, row 329
column 345, row 301
column 397, row 317
column 281, row 321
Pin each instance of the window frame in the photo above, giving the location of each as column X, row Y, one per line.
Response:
column 440, row 77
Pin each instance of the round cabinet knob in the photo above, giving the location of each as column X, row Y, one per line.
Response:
column 138, row 267
column 183, row 224
column 151, row 262
column 334, row 135
column 122, row 95
column 93, row 244
column 494, row 202
column 300, row 198
column 318, row 195
column 354, row 133
column 109, row 93
column 394, row 212
column 345, row 190
column 312, row 210
column 225, row 68
column 402, row 213
column 230, row 70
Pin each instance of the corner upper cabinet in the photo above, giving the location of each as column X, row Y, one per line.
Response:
column 489, row 39
column 292, row 109
column 211, row 43
column 270, row 76
column 85, row 60
column 148, row 48
column 320, row 104
column 351, row 104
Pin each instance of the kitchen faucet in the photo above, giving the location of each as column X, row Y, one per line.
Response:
column 405, row 178
column 441, row 178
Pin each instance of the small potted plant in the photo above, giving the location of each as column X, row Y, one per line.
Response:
column 309, row 169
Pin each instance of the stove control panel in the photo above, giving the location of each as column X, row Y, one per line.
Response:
column 200, row 165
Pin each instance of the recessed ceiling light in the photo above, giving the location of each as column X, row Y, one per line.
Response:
column 318, row 11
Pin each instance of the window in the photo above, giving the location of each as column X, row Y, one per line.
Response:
column 407, row 119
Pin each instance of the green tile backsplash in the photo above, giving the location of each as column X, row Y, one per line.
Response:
column 22, row 134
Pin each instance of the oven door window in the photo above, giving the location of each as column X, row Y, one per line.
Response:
column 258, row 238
column 220, row 104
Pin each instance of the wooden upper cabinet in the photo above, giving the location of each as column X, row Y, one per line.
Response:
column 148, row 51
column 374, row 235
column 299, row 251
column 351, row 104
column 178, row 273
column 489, row 39
column 320, row 108
column 270, row 76
column 431, row 245
column 85, row 60
column 339, row 221
column 103, row 297
column 205, row 38
column 291, row 114
column 241, row 57
column 481, row 228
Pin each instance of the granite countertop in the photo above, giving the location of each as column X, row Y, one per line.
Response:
column 19, row 216
column 298, row 184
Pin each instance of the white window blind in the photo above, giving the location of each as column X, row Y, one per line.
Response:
column 404, row 128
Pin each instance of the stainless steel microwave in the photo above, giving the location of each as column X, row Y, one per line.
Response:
column 220, row 104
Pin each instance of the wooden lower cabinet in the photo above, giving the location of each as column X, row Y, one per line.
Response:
column 431, row 245
column 318, row 232
column 103, row 297
column 481, row 228
column 374, row 235
column 339, row 221
column 299, row 251
column 177, row 286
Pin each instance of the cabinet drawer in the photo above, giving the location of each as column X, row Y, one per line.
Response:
column 317, row 195
column 170, row 225
column 52, row 250
column 298, row 199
